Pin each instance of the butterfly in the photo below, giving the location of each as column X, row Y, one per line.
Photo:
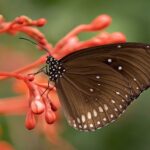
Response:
column 95, row 85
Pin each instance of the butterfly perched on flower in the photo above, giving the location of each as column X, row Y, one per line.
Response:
column 96, row 85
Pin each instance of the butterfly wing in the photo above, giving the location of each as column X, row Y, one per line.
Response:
column 100, row 82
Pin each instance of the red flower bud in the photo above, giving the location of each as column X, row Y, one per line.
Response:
column 101, row 22
column 30, row 77
column 37, row 107
column 41, row 22
column 118, row 37
column 30, row 120
column 50, row 116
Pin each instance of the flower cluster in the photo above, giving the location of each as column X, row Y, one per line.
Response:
column 40, row 106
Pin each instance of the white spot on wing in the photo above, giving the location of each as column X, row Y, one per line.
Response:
column 109, row 60
column 91, row 90
column 94, row 113
column 120, row 106
column 97, row 77
column 123, row 100
column 119, row 67
column 78, row 120
column 119, row 46
column 100, row 109
column 118, row 93
column 116, row 109
column 89, row 115
column 85, row 126
column 98, row 122
column 105, row 107
column 74, row 125
column 91, row 125
column 104, row 119
column 112, row 101
column 83, row 118
column 111, row 116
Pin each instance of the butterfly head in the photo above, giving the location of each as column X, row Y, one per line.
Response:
column 54, row 68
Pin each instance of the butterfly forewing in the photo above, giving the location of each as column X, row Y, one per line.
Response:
column 100, row 82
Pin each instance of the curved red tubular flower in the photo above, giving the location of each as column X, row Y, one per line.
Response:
column 97, row 24
column 37, row 105
column 25, row 25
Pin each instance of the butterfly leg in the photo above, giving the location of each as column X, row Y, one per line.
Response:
column 48, row 88
column 41, row 70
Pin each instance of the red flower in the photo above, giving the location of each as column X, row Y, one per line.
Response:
column 34, row 103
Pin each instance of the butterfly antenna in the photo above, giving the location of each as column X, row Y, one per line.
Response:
column 48, row 85
column 22, row 38
column 42, row 69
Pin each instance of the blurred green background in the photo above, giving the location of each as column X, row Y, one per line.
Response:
column 132, row 130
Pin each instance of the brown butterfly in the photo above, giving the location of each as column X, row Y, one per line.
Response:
column 95, row 85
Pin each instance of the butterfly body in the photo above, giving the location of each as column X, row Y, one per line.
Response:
column 54, row 68
column 97, row 84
